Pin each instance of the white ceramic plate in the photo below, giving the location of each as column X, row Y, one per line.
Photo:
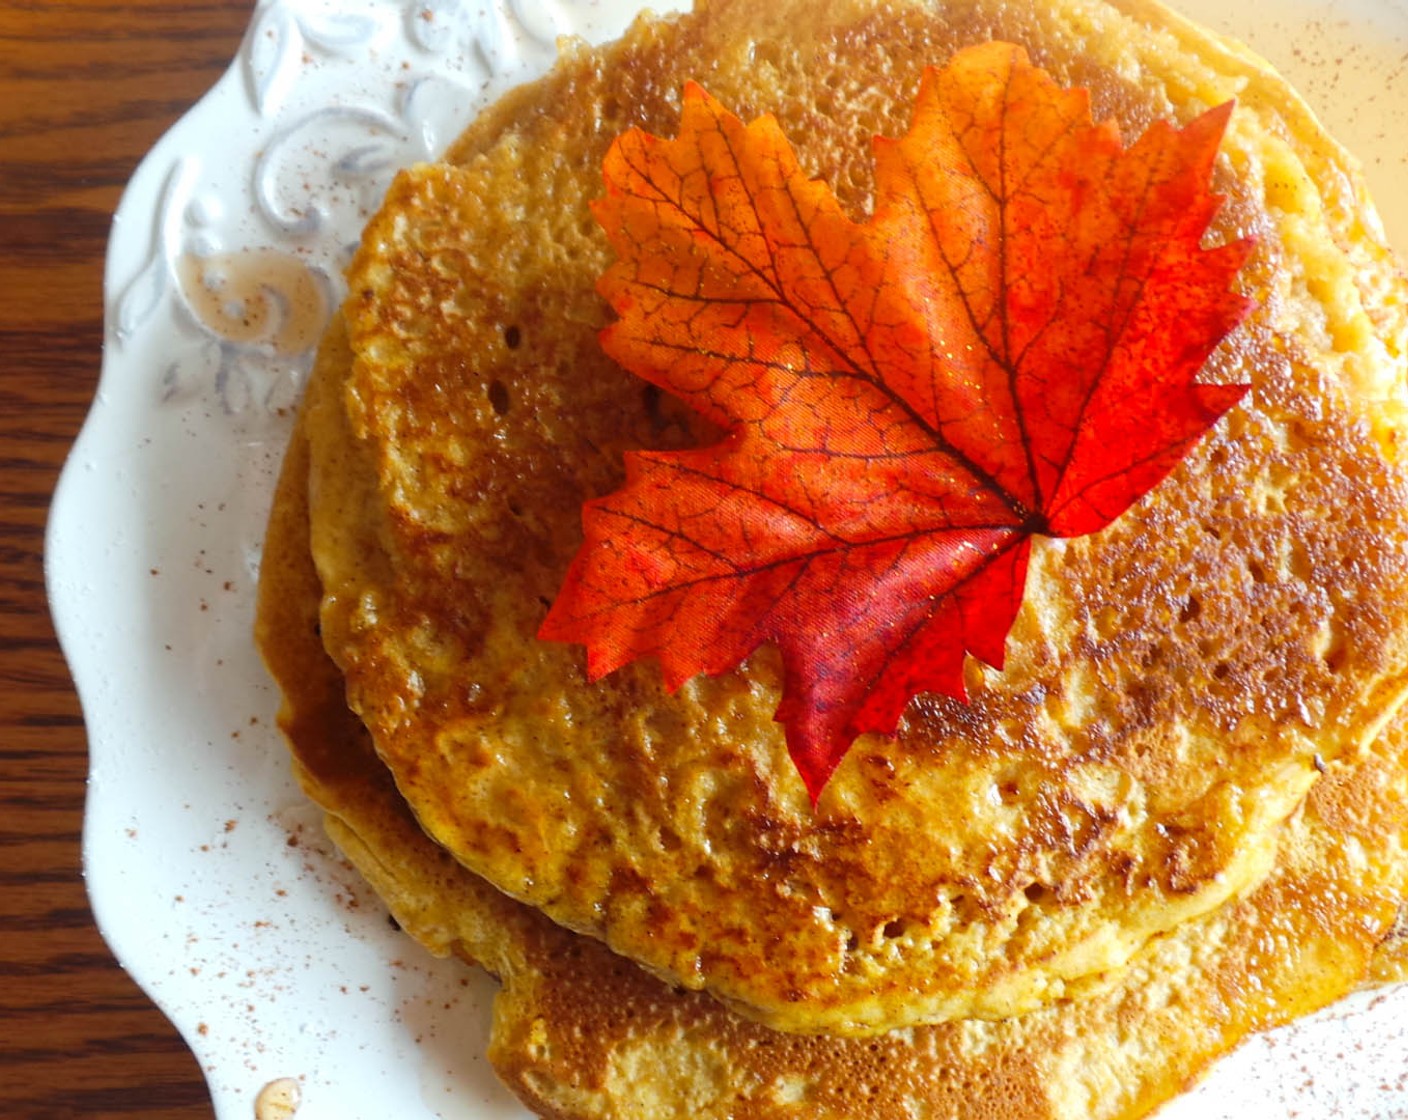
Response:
column 209, row 875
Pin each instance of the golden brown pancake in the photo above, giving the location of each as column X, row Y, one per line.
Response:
column 582, row 1034
column 1170, row 684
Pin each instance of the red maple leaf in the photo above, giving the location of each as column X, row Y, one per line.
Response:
column 1008, row 347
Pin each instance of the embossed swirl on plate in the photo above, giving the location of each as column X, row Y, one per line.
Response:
column 244, row 273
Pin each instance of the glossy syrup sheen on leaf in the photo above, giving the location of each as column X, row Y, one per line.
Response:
column 1008, row 346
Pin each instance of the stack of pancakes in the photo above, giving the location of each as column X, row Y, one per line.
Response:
column 1174, row 817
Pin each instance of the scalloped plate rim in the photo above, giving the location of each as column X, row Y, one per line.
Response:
column 238, row 1062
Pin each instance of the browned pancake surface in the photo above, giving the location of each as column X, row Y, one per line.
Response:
column 1170, row 682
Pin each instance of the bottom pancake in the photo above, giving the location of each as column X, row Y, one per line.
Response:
column 582, row 1033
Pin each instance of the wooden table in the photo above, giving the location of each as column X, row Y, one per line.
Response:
column 86, row 88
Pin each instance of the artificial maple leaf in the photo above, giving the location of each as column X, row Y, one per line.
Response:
column 1007, row 347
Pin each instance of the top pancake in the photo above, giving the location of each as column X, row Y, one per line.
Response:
column 1170, row 683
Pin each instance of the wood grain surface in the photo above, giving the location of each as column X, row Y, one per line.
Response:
column 86, row 88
